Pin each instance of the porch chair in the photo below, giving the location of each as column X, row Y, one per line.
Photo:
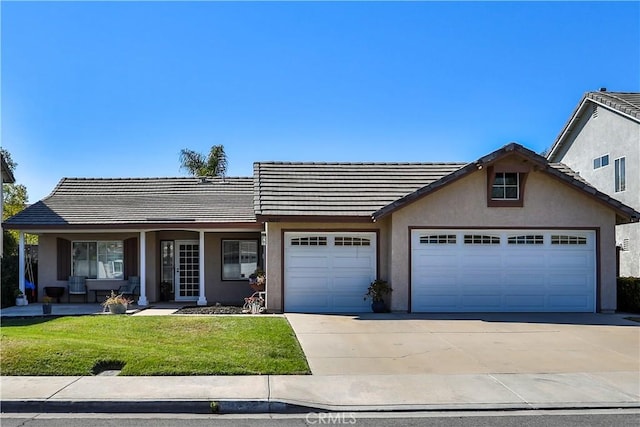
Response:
column 77, row 285
column 131, row 289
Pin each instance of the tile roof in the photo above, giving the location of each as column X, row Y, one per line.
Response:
column 338, row 189
column 120, row 202
column 625, row 103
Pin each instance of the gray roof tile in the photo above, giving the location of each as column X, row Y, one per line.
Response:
column 338, row 189
column 115, row 202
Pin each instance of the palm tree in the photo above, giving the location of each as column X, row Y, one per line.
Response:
column 215, row 164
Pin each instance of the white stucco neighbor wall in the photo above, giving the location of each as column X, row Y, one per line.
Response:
column 612, row 134
column 548, row 203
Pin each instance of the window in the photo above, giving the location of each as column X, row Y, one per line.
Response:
column 239, row 259
column 98, row 260
column 438, row 239
column 536, row 239
column 352, row 241
column 309, row 241
column 506, row 186
column 568, row 240
column 480, row 239
column 601, row 162
column 620, row 175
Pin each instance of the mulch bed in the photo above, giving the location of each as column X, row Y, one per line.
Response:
column 212, row 309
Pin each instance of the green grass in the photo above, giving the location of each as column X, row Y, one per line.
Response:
column 167, row 345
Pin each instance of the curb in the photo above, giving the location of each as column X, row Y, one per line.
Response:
column 153, row 406
column 274, row 407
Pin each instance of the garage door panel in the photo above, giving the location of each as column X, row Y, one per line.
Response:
column 482, row 261
column 524, row 301
column 541, row 270
column 307, row 261
column 346, row 265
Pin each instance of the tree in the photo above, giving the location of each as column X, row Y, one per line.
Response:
column 215, row 164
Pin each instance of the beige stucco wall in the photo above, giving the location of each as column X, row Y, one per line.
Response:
column 216, row 290
column 548, row 203
column 48, row 260
column 275, row 253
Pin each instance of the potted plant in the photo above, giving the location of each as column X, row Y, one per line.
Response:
column 117, row 303
column 377, row 290
column 21, row 298
column 258, row 280
column 46, row 305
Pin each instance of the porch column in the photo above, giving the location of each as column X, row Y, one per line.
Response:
column 143, row 269
column 202, row 300
column 21, row 262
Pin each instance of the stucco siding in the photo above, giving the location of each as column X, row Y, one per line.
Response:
column 610, row 134
column 548, row 203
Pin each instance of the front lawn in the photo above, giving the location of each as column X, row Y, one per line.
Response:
column 163, row 345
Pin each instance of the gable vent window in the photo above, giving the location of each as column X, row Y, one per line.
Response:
column 568, row 240
column 309, row 241
column 594, row 111
column 352, row 241
column 625, row 244
column 438, row 239
column 601, row 162
column 480, row 239
column 536, row 239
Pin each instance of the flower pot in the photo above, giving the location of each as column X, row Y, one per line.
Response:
column 21, row 301
column 378, row 307
column 117, row 308
column 46, row 308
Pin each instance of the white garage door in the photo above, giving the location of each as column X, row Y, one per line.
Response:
column 503, row 270
column 328, row 272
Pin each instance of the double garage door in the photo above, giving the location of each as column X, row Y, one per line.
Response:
column 503, row 271
column 451, row 271
column 328, row 272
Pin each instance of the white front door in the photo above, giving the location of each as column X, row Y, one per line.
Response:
column 503, row 270
column 187, row 270
column 328, row 272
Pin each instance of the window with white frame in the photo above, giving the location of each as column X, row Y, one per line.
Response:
column 506, row 186
column 239, row 259
column 620, row 175
column 600, row 162
column 98, row 260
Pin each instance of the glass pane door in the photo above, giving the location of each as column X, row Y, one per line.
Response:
column 188, row 270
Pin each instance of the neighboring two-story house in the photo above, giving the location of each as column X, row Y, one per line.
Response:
column 601, row 141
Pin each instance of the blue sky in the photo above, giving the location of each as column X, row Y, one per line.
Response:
column 117, row 89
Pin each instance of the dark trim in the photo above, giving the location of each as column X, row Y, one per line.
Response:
column 63, row 254
column 137, row 226
column 320, row 230
column 598, row 302
column 314, row 218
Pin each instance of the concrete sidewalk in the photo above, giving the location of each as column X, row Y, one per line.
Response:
column 262, row 394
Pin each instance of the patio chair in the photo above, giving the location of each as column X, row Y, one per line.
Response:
column 131, row 289
column 77, row 285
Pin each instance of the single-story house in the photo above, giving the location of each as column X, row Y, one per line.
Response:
column 507, row 232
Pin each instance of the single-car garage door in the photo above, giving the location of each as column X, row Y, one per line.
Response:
column 328, row 272
column 503, row 270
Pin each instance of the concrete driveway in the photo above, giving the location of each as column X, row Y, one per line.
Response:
column 468, row 344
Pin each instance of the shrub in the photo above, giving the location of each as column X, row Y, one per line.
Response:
column 629, row 294
column 9, row 280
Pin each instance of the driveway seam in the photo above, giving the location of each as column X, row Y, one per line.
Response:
column 510, row 390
